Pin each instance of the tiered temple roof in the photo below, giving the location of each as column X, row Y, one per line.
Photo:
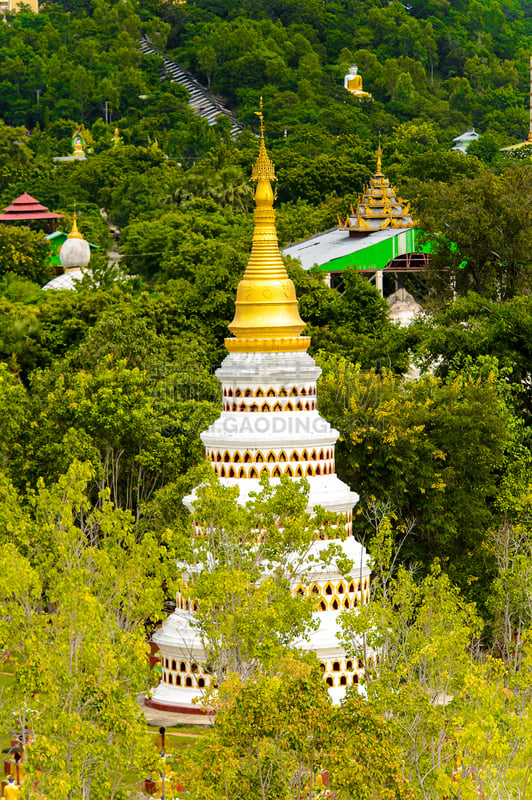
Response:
column 378, row 208
column 26, row 208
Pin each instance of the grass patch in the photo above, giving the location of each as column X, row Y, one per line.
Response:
column 181, row 737
column 189, row 730
column 7, row 679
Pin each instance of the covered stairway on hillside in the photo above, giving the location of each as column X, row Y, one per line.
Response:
column 203, row 103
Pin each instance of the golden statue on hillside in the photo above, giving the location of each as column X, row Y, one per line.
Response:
column 353, row 83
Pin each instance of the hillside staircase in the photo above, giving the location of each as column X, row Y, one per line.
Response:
column 201, row 100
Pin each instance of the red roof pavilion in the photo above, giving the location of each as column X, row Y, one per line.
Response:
column 26, row 208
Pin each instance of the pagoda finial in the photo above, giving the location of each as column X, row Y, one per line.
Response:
column 266, row 314
column 263, row 169
column 379, row 157
column 260, row 114
column 74, row 233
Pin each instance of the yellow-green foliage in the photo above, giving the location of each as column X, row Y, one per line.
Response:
column 24, row 252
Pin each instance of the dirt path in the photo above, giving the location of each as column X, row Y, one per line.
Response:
column 168, row 719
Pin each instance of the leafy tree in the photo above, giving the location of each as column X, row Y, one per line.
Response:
column 353, row 323
column 72, row 614
column 137, row 427
column 421, row 633
column 14, row 418
column 486, row 148
column 478, row 231
column 15, row 155
column 123, row 336
column 19, row 332
column 473, row 327
column 278, row 735
column 459, row 717
column 191, row 245
column 433, row 448
column 240, row 571
column 313, row 179
column 25, row 253
column 510, row 595
column 300, row 219
column 416, row 173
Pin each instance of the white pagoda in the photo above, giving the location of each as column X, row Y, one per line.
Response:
column 270, row 423
column 74, row 256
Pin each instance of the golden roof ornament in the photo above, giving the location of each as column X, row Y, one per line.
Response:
column 74, row 233
column 378, row 208
column 379, row 157
column 263, row 168
column 266, row 311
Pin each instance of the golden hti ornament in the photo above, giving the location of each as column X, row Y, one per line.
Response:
column 266, row 311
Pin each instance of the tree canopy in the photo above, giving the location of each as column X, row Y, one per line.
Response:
column 105, row 389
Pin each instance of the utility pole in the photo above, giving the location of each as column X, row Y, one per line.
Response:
column 107, row 112
column 162, row 731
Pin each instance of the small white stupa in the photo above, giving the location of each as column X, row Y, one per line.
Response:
column 74, row 256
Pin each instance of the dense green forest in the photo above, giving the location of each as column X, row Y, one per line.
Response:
column 104, row 390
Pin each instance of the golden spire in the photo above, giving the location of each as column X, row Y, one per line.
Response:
column 263, row 169
column 74, row 233
column 266, row 313
column 379, row 158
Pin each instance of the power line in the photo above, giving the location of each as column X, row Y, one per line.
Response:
column 154, row 253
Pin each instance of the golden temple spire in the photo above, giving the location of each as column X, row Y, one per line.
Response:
column 379, row 157
column 74, row 233
column 266, row 313
column 263, row 169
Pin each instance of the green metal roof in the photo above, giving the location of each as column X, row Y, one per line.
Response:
column 336, row 251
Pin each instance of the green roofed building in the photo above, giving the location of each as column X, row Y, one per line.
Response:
column 378, row 237
column 383, row 251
